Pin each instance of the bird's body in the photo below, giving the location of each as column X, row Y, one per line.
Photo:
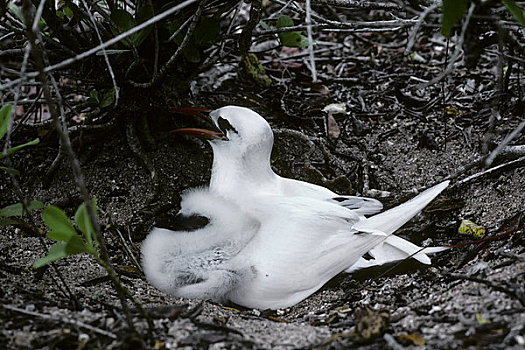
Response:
column 270, row 242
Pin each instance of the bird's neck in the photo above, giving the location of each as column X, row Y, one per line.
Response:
column 233, row 172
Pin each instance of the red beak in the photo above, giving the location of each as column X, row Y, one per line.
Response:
column 193, row 111
column 202, row 133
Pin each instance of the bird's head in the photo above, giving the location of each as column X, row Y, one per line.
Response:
column 234, row 127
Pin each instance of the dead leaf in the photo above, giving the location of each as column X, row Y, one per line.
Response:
column 333, row 129
column 412, row 339
column 370, row 324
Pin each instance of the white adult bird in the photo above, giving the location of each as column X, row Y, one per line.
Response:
column 242, row 145
column 269, row 242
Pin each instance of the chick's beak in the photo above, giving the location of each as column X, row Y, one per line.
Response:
column 201, row 133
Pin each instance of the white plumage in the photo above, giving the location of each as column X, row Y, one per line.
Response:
column 270, row 241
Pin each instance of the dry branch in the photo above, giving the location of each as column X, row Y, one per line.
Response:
column 63, row 319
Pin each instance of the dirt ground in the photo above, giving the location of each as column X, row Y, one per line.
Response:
column 395, row 138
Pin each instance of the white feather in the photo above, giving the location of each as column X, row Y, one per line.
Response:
column 270, row 241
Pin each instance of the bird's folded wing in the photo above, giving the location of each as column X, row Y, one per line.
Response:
column 361, row 205
column 296, row 188
column 301, row 244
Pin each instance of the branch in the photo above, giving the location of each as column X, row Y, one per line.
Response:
column 347, row 25
column 361, row 4
column 420, row 20
column 501, row 146
column 245, row 39
column 104, row 45
column 110, row 69
column 489, row 171
column 157, row 77
column 456, row 53
column 62, row 319
column 308, row 23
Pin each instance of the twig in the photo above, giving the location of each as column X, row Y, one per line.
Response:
column 106, row 58
column 415, row 29
column 303, row 12
column 457, row 50
column 99, row 47
column 137, row 150
column 230, row 26
column 18, row 190
column 61, row 127
column 501, row 146
column 62, row 319
column 308, row 22
column 157, row 77
column 509, row 151
column 489, row 171
column 245, row 39
column 354, row 26
column 177, row 32
column 513, row 293
column 128, row 250
column 361, row 4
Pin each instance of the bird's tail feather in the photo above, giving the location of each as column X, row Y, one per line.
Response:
column 395, row 248
column 392, row 219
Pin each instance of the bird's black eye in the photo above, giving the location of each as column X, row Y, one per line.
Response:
column 225, row 125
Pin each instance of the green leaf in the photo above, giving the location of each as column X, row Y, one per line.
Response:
column 58, row 222
column 94, row 97
column 111, row 52
column 7, row 222
column 84, row 223
column 109, row 98
column 264, row 25
column 16, row 148
column 191, row 52
column 76, row 245
column 16, row 172
column 18, row 209
column 16, row 10
column 60, row 235
column 5, row 114
column 452, row 12
column 284, row 21
column 68, row 12
column 516, row 11
column 94, row 94
column 290, row 39
column 293, row 39
column 56, row 252
column 207, row 32
column 143, row 14
column 124, row 21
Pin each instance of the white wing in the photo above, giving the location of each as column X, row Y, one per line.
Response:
column 296, row 188
column 301, row 244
